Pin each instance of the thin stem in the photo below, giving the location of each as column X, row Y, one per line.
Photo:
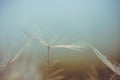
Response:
column 113, row 76
column 48, row 63
column 48, row 56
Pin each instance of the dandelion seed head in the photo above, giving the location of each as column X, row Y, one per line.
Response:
column 10, row 55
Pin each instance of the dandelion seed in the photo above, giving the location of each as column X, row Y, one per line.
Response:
column 115, row 68
column 10, row 56
column 57, row 43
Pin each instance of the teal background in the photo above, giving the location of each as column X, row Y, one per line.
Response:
column 92, row 21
